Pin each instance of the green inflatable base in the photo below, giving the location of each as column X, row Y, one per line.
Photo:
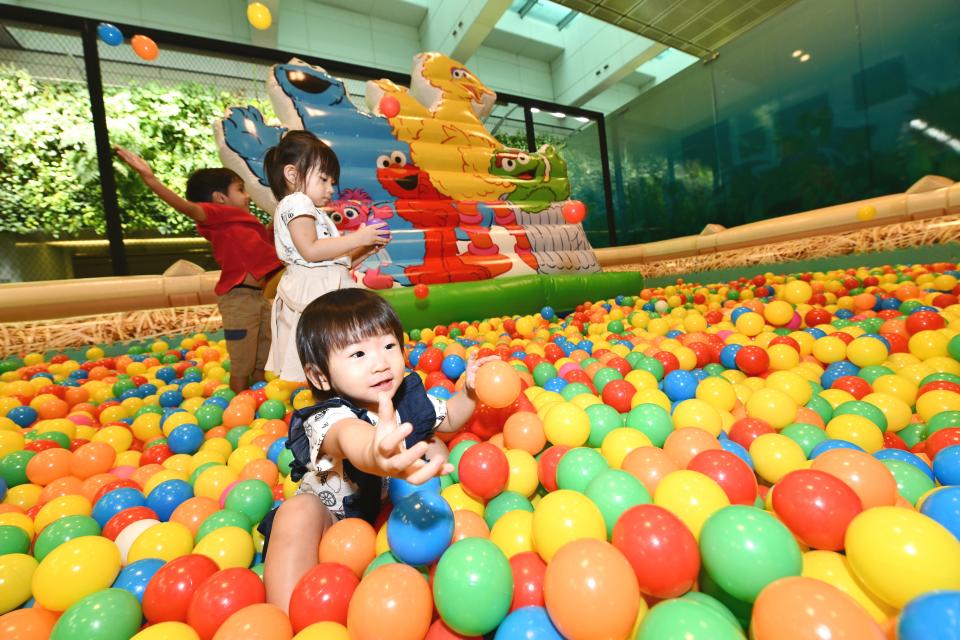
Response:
column 520, row 295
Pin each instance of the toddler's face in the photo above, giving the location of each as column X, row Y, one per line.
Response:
column 319, row 188
column 362, row 370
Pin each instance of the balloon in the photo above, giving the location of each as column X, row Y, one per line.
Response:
column 259, row 15
column 574, row 211
column 816, row 506
column 863, row 473
column 351, row 542
column 686, row 619
column 392, row 601
column 529, row 623
column 730, row 472
column 473, row 586
column 390, row 108
column 591, row 591
column 563, row 516
column 797, row 608
column 256, row 622
column 107, row 613
column 16, row 573
column 220, row 596
column 745, row 549
column 146, row 48
column 497, row 384
column 91, row 561
column 27, row 624
column 660, row 548
column 167, row 596
column 528, row 575
column 135, row 576
column 834, row 569
column 899, row 554
column 109, row 34
column 614, row 491
column 322, row 594
column 690, row 496
column 932, row 615
column 61, row 531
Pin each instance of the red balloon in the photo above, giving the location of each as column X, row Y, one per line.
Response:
column 125, row 518
column 389, row 106
column 421, row 291
column 574, row 211
column 483, row 470
column 816, row 506
column 745, row 430
column 168, row 594
column 730, row 472
column 660, row 548
column 440, row 631
column 618, row 394
column 529, row 571
column 220, row 596
column 323, row 594
column 547, row 465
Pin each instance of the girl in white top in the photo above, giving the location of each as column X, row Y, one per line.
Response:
column 302, row 172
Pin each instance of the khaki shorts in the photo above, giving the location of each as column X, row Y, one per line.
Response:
column 246, row 328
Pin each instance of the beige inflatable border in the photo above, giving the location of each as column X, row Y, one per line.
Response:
column 33, row 315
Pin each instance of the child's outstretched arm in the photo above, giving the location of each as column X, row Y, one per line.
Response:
column 303, row 233
column 380, row 450
column 462, row 405
column 164, row 192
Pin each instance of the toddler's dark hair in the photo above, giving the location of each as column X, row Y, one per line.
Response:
column 203, row 183
column 304, row 151
column 337, row 319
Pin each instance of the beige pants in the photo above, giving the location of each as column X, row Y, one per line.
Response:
column 246, row 328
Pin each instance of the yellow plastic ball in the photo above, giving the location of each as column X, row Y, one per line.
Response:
column 772, row 406
column 166, row 541
column 16, row 575
column 513, row 533
column 459, row 499
column 718, row 392
column 775, row 455
column 563, row 516
column 928, row 344
column 61, row 507
column 566, row 424
column 169, row 631
column 91, row 562
column 119, row 438
column 750, row 323
column 691, row 496
column 834, row 569
column 618, row 444
column 829, row 349
column 697, row 413
column 522, row 477
column 856, row 429
column 933, row 402
column 229, row 547
column 895, row 410
column 211, row 482
column 796, row 292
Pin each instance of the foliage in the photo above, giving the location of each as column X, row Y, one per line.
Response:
column 48, row 166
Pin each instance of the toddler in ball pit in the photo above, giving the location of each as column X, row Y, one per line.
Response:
column 371, row 422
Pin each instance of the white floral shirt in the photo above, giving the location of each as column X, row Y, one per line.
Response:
column 293, row 206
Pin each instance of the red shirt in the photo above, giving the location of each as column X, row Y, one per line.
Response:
column 241, row 244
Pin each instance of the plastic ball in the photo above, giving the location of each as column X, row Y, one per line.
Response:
column 660, row 548
column 497, row 384
column 574, row 211
column 563, row 516
column 390, row 108
column 799, row 607
column 421, row 291
column 93, row 561
column 472, row 586
column 322, row 594
column 109, row 34
column 421, row 527
column 259, row 15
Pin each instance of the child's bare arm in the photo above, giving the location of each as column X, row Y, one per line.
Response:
column 380, row 450
column 184, row 206
column 462, row 405
column 303, row 233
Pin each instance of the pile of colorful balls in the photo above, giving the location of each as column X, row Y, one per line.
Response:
column 775, row 457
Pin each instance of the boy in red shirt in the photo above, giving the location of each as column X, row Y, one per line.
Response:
column 244, row 249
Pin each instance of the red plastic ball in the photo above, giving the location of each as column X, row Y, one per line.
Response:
column 389, row 106
column 752, row 360
column 421, row 291
column 730, row 472
column 430, row 360
column 941, row 440
column 817, row 316
column 668, row 360
column 854, row 385
column 322, row 594
column 745, row 430
column 817, row 507
column 924, row 321
column 547, row 465
column 528, row 574
column 168, row 594
column 574, row 211
column 220, row 596
column 483, row 471
column 660, row 548
column 618, row 394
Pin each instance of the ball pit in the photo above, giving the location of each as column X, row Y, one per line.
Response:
column 775, row 456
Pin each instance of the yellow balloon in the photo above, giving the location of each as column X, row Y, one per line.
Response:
column 166, row 541
column 834, row 569
column 563, row 516
column 899, row 554
column 457, row 498
column 691, row 496
column 523, row 476
column 75, row 569
column 858, row 430
column 323, row 631
column 618, row 444
column 61, row 507
column 513, row 533
column 168, row 631
column 16, row 573
column 775, row 455
column 229, row 547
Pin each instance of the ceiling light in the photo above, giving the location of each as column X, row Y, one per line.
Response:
column 558, row 114
column 797, row 53
column 804, row 57
column 582, row 119
column 534, row 110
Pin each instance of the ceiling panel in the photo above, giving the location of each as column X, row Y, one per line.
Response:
column 698, row 27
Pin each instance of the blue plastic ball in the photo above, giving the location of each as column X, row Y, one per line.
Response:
column 548, row 313
column 167, row 496
column 420, row 528
column 943, row 505
column 528, row 623
column 109, row 34
column 680, row 385
column 827, row 445
column 186, row 438
column 946, row 466
column 171, row 398
column 136, row 576
column 398, row 489
column 453, row 367
column 934, row 615
column 905, row 456
column 23, row 415
column 114, row 502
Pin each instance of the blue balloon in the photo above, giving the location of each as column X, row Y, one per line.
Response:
column 932, row 616
column 136, row 575
column 827, row 445
column 114, row 502
column 528, row 623
column 905, row 456
column 420, row 528
column 398, row 489
column 946, row 466
column 167, row 496
column 109, row 34
column 943, row 505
